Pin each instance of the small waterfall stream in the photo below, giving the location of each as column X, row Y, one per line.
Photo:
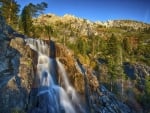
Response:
column 52, row 98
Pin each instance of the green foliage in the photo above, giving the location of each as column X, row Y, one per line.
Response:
column 147, row 86
column 112, row 68
column 113, row 45
column 143, row 49
column 48, row 31
column 126, row 45
column 146, row 30
column 28, row 13
column 40, row 8
column 101, row 46
column 10, row 9
column 26, row 19
column 114, row 50
column 146, row 97
column 114, row 57
column 36, row 10
column 82, row 46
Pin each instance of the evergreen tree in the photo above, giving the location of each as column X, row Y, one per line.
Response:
column 126, row 45
column 10, row 9
column 115, row 69
column 146, row 96
column 82, row 46
column 147, row 88
column 113, row 45
column 26, row 19
column 40, row 8
column 28, row 13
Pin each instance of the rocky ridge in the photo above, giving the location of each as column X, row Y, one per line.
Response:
column 77, row 22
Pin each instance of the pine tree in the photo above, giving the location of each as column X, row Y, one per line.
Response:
column 26, row 19
column 28, row 13
column 113, row 45
column 126, row 45
column 146, row 97
column 10, row 9
column 114, row 52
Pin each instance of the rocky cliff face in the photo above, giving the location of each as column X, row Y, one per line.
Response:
column 106, row 102
column 83, row 27
column 15, row 71
column 138, row 72
column 17, row 75
column 99, row 98
column 125, row 23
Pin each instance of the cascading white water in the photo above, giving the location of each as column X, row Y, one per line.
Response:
column 60, row 100
column 38, row 45
column 70, row 90
column 43, row 71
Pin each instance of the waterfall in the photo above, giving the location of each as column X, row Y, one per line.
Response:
column 38, row 45
column 70, row 90
column 52, row 98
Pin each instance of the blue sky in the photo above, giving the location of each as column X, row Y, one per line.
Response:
column 101, row 10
